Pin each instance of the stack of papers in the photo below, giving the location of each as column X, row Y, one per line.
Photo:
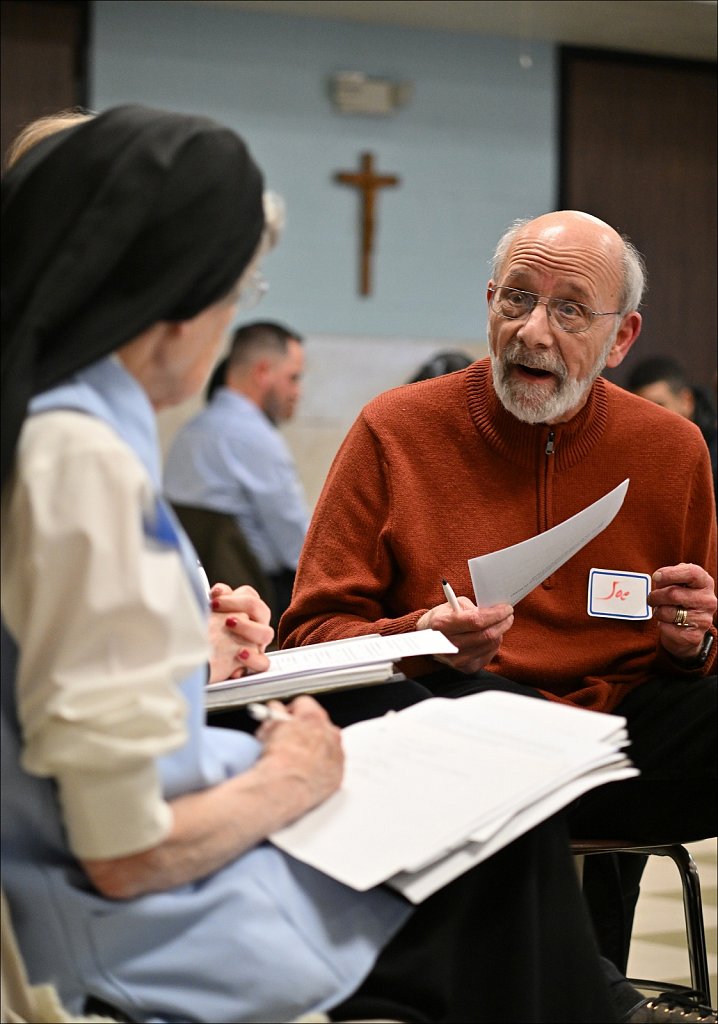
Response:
column 436, row 788
column 356, row 661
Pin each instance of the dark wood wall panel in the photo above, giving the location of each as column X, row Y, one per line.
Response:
column 43, row 61
column 638, row 149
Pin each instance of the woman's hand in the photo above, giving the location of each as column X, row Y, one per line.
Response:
column 301, row 765
column 306, row 751
column 239, row 632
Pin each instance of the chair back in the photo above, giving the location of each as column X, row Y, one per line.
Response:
column 223, row 549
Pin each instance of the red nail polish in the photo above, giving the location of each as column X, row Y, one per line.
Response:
column 215, row 604
column 231, row 621
column 243, row 654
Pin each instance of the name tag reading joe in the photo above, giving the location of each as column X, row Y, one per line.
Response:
column 614, row 594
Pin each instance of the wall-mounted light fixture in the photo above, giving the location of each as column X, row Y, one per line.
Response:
column 356, row 93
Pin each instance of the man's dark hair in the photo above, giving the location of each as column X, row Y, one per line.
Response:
column 264, row 335
column 438, row 365
column 249, row 340
column 658, row 368
column 663, row 368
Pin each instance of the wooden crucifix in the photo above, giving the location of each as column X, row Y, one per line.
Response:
column 368, row 184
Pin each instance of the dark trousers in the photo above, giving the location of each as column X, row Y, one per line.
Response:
column 343, row 706
column 672, row 726
column 282, row 584
column 508, row 941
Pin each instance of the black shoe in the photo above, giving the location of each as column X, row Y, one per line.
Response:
column 669, row 1008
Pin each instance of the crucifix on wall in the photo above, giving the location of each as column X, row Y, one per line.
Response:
column 368, row 184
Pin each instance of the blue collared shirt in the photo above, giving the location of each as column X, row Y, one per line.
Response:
column 231, row 458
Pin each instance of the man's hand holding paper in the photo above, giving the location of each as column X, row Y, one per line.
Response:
column 477, row 632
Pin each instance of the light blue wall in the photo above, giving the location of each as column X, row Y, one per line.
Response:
column 475, row 148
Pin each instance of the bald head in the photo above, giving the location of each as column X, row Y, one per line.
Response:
column 567, row 218
column 571, row 239
column 562, row 307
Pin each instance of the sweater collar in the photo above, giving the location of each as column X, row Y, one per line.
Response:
column 520, row 442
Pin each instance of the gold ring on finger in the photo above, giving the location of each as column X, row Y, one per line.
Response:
column 681, row 618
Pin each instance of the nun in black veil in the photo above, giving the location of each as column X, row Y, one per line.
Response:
column 134, row 853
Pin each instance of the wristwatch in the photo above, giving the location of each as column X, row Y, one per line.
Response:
column 705, row 649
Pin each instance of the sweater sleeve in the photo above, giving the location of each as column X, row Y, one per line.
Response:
column 346, row 571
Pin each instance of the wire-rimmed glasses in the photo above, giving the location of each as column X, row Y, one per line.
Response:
column 568, row 315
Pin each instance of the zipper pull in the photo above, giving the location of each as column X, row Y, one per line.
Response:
column 549, row 443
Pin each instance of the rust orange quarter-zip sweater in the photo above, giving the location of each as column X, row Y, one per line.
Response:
column 434, row 473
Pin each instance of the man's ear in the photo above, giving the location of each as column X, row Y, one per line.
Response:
column 627, row 333
column 262, row 369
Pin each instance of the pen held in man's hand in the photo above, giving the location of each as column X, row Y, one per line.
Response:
column 450, row 596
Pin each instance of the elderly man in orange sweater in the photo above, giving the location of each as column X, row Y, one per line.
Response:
column 434, row 473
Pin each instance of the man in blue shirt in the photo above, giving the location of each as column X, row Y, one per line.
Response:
column 232, row 458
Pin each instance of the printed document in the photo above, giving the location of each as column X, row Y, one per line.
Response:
column 433, row 789
column 354, row 661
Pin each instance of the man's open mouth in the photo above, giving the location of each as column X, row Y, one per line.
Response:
column 534, row 371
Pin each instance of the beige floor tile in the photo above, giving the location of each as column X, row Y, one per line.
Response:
column 662, row 963
column 664, row 913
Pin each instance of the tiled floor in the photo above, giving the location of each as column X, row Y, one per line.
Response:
column 658, row 947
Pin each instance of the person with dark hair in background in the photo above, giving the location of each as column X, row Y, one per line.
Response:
column 232, row 458
column 664, row 381
column 441, row 363
column 134, row 852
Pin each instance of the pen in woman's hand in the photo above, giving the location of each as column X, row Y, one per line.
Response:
column 261, row 713
column 450, row 596
column 203, row 577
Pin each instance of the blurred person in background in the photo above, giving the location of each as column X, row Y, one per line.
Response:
column 665, row 382
column 232, row 457
column 441, row 363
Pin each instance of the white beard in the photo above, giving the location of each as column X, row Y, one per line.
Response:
column 531, row 403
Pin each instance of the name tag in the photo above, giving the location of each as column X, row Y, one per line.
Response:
column 614, row 594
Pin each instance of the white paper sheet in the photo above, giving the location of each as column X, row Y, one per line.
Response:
column 417, row 885
column 505, row 576
column 422, row 785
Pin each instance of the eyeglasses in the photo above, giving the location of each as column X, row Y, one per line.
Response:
column 569, row 316
column 252, row 290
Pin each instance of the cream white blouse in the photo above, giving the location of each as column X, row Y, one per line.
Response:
column 114, row 627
